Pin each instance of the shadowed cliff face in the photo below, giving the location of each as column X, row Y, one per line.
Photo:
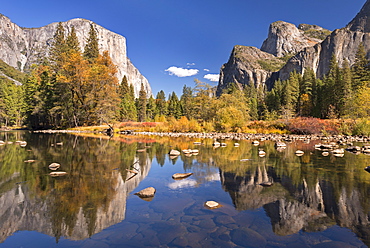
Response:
column 22, row 47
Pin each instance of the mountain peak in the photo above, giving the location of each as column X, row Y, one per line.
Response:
column 362, row 20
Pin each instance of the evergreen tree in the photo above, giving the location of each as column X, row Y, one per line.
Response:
column 186, row 101
column 305, row 101
column 127, row 107
column 58, row 48
column 141, row 105
column 251, row 96
column 11, row 103
column 360, row 69
column 150, row 109
column 161, row 104
column 174, row 107
column 345, row 90
column 290, row 95
column 91, row 51
column 330, row 88
column 72, row 44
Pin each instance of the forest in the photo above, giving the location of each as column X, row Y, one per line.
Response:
column 74, row 88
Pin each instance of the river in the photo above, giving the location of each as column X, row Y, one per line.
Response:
column 315, row 200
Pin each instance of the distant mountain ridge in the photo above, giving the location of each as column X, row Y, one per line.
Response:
column 309, row 46
column 250, row 65
column 22, row 47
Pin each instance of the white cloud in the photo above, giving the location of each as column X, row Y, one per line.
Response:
column 185, row 183
column 181, row 72
column 188, row 64
column 212, row 77
column 205, row 70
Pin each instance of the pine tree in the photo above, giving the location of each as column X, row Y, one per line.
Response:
column 91, row 51
column 161, row 104
column 251, row 96
column 360, row 69
column 174, row 107
column 305, row 103
column 330, row 87
column 150, row 109
column 141, row 104
column 345, row 90
column 290, row 95
column 58, row 48
column 186, row 101
column 72, row 44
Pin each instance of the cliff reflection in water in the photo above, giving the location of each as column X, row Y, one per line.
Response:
column 90, row 198
column 310, row 193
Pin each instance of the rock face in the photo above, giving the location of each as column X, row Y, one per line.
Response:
column 22, row 47
column 250, row 65
column 343, row 43
column 285, row 38
column 245, row 67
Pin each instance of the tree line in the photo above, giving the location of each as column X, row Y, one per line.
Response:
column 74, row 88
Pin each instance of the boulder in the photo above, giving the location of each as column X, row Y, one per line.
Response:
column 54, row 166
column 212, row 204
column 57, row 173
column 181, row 175
column 174, row 153
column 147, row 192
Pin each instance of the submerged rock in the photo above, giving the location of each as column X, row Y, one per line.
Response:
column 266, row 184
column 147, row 192
column 181, row 175
column 57, row 173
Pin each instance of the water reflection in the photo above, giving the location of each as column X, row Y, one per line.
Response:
column 90, row 198
column 309, row 194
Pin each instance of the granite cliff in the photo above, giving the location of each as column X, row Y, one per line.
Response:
column 22, row 47
column 249, row 65
column 343, row 43
column 305, row 46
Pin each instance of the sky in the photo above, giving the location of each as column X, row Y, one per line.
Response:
column 173, row 42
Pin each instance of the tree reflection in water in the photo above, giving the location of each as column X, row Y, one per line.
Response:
column 311, row 193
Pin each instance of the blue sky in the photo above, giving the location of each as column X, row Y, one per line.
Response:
column 172, row 42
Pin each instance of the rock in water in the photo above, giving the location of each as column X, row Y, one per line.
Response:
column 54, row 166
column 181, row 175
column 174, row 153
column 212, row 204
column 146, row 193
column 57, row 173
column 266, row 184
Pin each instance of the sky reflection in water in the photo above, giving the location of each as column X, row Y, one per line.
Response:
column 315, row 201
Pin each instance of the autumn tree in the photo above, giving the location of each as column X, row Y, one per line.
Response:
column 102, row 99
